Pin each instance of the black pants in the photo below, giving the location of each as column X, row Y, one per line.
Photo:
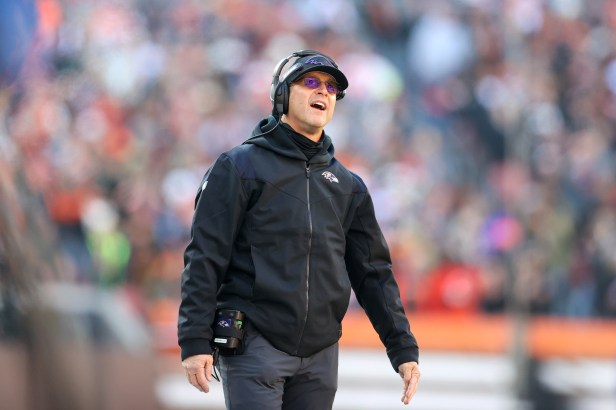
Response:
column 264, row 378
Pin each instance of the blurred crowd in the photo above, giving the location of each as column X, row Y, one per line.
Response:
column 485, row 130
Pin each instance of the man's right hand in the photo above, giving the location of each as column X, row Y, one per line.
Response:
column 198, row 370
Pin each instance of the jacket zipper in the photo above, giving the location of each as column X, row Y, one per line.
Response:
column 308, row 255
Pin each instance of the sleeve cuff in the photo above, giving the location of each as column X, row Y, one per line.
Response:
column 403, row 356
column 193, row 347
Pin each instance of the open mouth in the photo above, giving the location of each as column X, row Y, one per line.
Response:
column 318, row 105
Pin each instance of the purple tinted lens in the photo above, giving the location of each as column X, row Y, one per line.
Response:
column 314, row 83
column 332, row 89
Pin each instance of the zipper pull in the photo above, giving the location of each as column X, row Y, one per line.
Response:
column 307, row 170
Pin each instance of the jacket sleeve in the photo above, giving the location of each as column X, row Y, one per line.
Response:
column 219, row 210
column 370, row 271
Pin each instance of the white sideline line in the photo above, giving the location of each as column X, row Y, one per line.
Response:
column 449, row 381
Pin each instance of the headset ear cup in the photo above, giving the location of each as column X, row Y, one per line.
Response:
column 273, row 89
column 281, row 101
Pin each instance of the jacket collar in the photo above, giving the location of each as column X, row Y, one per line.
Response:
column 270, row 135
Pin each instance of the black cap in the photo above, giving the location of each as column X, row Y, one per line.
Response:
column 316, row 62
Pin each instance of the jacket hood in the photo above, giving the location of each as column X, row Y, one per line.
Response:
column 271, row 135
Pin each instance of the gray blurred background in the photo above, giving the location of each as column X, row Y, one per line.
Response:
column 485, row 130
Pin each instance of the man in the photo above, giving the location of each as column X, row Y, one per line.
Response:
column 282, row 231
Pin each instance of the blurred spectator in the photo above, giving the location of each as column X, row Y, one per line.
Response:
column 485, row 133
column 18, row 26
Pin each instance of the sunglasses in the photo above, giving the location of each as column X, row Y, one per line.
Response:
column 313, row 83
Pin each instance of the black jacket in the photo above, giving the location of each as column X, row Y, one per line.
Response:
column 283, row 239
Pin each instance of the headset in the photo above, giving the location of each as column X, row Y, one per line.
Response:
column 279, row 91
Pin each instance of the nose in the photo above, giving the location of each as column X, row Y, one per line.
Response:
column 322, row 88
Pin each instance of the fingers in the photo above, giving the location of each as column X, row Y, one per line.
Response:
column 410, row 388
column 198, row 371
column 198, row 380
column 201, row 382
column 410, row 375
column 414, row 383
column 406, row 395
column 209, row 367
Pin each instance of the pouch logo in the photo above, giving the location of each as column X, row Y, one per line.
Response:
column 330, row 177
column 224, row 323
